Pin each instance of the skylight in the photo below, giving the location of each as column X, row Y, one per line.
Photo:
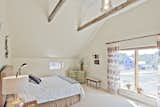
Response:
column 108, row 4
column 106, row 9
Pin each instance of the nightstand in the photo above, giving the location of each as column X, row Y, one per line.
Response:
column 11, row 101
column 80, row 76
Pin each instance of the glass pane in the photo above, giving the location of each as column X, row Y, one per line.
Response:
column 55, row 65
column 106, row 4
column 148, row 70
column 126, row 65
column 116, row 3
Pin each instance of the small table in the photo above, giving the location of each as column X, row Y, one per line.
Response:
column 93, row 80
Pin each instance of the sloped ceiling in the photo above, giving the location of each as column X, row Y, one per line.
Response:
column 32, row 35
column 139, row 21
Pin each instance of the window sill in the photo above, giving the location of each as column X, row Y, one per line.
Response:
column 149, row 100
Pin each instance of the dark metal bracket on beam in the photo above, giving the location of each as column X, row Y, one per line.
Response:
column 55, row 10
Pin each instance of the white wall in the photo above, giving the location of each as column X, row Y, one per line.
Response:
column 3, row 33
column 33, row 36
column 142, row 20
column 40, row 66
column 36, row 41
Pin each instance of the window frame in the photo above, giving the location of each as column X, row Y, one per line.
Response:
column 136, row 68
column 52, row 69
column 134, row 62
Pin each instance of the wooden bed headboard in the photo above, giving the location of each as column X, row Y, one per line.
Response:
column 3, row 72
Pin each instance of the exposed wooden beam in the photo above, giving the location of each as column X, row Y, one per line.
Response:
column 106, row 14
column 55, row 10
column 134, row 38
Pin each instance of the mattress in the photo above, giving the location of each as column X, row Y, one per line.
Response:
column 50, row 89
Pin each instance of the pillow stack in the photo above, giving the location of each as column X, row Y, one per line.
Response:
column 34, row 79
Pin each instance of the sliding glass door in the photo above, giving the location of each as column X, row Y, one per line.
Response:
column 140, row 70
column 148, row 71
column 126, row 66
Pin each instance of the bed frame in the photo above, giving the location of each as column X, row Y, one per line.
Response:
column 31, row 104
column 64, row 102
column 3, row 72
column 1, row 91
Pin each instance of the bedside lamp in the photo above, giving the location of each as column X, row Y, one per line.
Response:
column 20, row 68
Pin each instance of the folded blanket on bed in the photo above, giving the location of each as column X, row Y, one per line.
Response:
column 34, row 79
column 71, row 81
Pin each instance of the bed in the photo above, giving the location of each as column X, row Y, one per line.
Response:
column 53, row 91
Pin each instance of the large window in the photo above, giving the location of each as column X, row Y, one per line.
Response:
column 148, row 72
column 108, row 4
column 55, row 65
column 140, row 70
column 126, row 66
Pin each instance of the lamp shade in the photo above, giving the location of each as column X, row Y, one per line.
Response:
column 11, row 84
column 24, row 65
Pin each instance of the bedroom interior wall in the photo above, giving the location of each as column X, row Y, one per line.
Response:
column 36, row 41
column 33, row 36
column 3, row 33
column 40, row 66
column 142, row 20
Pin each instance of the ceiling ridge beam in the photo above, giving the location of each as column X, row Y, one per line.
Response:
column 106, row 14
column 55, row 10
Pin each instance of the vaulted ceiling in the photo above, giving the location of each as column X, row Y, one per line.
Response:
column 32, row 35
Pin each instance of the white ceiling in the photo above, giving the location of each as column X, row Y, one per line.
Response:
column 32, row 35
column 140, row 21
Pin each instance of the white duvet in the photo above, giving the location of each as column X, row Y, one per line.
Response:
column 51, row 88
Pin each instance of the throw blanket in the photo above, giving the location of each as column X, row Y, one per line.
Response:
column 50, row 89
